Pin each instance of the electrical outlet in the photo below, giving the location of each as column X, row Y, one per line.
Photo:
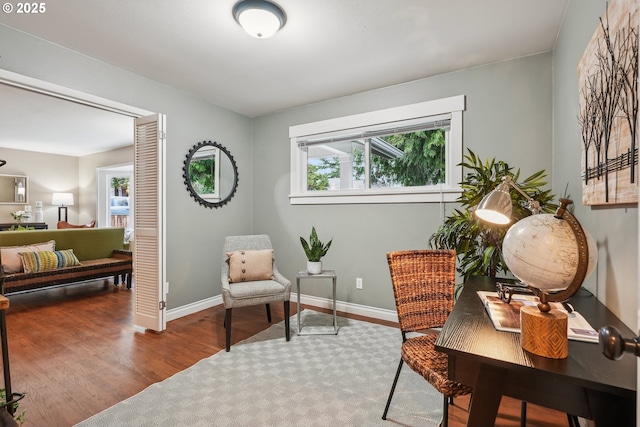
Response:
column 358, row 282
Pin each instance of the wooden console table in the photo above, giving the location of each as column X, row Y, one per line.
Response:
column 35, row 225
column 585, row 384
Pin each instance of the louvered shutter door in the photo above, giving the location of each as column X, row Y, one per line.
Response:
column 149, row 208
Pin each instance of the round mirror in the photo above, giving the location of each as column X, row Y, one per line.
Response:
column 210, row 174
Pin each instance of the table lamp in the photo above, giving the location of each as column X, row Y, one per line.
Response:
column 552, row 255
column 62, row 200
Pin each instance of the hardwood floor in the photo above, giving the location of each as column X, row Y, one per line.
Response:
column 75, row 352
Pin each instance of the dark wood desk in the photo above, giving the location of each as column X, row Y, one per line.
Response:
column 585, row 384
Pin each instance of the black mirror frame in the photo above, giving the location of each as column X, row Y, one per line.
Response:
column 185, row 175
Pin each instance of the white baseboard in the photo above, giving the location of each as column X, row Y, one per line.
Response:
column 348, row 307
column 345, row 307
column 185, row 310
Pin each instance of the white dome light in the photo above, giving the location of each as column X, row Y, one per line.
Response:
column 259, row 18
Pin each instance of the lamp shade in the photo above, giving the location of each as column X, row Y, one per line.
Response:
column 259, row 18
column 62, row 199
column 495, row 207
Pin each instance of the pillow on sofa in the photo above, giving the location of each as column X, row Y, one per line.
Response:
column 249, row 265
column 48, row 260
column 11, row 261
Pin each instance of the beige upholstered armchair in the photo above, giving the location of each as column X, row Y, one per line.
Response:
column 250, row 277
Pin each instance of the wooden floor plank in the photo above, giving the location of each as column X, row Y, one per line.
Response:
column 75, row 352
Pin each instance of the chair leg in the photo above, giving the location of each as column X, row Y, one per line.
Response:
column 269, row 313
column 523, row 414
column 573, row 421
column 227, row 325
column 445, row 412
column 287, row 331
column 393, row 388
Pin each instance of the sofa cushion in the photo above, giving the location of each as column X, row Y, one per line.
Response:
column 250, row 265
column 11, row 261
column 48, row 260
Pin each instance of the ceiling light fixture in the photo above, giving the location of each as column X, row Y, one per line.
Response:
column 259, row 18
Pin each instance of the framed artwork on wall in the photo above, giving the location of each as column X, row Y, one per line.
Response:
column 608, row 117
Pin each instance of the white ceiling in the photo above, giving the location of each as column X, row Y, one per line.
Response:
column 327, row 49
column 35, row 122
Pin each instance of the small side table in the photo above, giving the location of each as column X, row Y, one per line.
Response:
column 325, row 274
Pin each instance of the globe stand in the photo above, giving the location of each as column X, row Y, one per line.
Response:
column 544, row 333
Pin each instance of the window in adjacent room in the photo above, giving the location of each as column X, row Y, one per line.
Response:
column 403, row 154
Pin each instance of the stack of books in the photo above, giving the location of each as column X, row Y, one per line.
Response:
column 506, row 316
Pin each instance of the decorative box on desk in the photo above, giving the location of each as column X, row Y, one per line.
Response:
column 34, row 225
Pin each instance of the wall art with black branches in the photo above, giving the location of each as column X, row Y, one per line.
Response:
column 608, row 117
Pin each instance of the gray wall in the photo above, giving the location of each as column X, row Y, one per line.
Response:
column 615, row 228
column 522, row 111
column 194, row 234
column 508, row 116
column 50, row 172
column 47, row 173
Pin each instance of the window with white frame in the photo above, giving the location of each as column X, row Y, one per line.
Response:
column 397, row 155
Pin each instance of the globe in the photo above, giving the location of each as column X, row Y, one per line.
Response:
column 541, row 251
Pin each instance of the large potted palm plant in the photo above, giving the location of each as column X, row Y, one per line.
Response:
column 478, row 243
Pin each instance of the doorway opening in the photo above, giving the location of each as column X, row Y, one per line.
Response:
column 149, row 155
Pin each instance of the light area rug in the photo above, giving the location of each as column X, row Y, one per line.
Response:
column 312, row 380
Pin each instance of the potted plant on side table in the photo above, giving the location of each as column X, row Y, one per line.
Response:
column 314, row 250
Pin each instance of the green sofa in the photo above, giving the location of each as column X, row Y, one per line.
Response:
column 101, row 252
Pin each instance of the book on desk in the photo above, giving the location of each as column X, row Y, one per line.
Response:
column 506, row 316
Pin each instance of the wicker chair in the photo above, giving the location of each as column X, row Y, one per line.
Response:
column 423, row 285
column 247, row 293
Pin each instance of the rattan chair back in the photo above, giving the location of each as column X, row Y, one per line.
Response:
column 423, row 285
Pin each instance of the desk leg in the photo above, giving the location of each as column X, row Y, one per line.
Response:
column 608, row 410
column 298, row 308
column 485, row 400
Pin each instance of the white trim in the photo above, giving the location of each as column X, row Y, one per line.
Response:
column 448, row 195
column 51, row 89
column 389, row 115
column 345, row 307
column 194, row 307
column 348, row 307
